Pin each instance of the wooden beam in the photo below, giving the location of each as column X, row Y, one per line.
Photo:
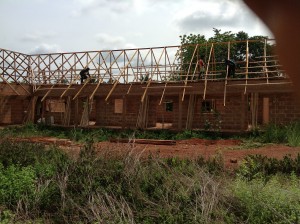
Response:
column 159, row 87
column 117, row 80
column 261, row 84
column 85, row 83
column 205, row 84
column 162, row 96
column 95, row 90
column 247, row 64
column 188, row 72
column 144, row 141
column 40, row 89
column 144, row 94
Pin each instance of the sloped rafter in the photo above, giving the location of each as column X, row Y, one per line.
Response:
column 120, row 75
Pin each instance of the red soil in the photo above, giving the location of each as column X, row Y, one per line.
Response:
column 231, row 150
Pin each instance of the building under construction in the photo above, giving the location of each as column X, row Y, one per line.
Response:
column 149, row 88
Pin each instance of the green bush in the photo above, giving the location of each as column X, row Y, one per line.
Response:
column 274, row 134
column 258, row 166
column 275, row 201
column 293, row 134
column 16, row 183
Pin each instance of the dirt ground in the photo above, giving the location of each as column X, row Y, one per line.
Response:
column 232, row 151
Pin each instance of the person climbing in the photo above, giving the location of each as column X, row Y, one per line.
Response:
column 84, row 74
column 201, row 64
column 231, row 67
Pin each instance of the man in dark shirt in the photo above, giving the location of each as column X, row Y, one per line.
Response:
column 231, row 67
column 84, row 74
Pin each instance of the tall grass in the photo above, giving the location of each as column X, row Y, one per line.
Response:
column 42, row 185
column 287, row 134
column 293, row 134
column 274, row 201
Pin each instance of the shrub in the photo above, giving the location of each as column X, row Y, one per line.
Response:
column 275, row 201
column 258, row 166
column 274, row 134
column 16, row 183
column 293, row 134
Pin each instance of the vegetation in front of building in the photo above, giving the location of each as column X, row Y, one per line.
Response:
column 44, row 185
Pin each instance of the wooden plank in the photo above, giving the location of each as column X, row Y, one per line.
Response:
column 261, row 84
column 160, row 87
column 188, row 72
column 52, row 88
column 144, row 94
column 162, row 95
column 95, row 90
column 247, row 64
column 144, row 141
column 205, row 84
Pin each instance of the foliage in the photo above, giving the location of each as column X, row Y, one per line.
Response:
column 220, row 39
column 16, row 183
column 255, row 166
column 274, row 133
column 289, row 134
column 275, row 201
column 293, row 134
column 47, row 187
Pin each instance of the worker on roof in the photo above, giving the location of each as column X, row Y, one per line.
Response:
column 84, row 74
column 231, row 67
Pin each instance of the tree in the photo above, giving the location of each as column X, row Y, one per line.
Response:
column 237, row 45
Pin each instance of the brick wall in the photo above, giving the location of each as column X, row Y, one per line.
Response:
column 16, row 108
column 229, row 117
column 284, row 108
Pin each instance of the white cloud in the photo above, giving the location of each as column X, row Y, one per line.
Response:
column 223, row 14
column 85, row 7
column 110, row 42
column 46, row 48
column 38, row 36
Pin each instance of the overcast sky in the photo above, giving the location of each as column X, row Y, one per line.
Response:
column 44, row 26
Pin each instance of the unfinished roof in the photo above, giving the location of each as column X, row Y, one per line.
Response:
column 163, row 65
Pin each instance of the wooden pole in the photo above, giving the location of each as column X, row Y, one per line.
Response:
column 144, row 94
column 205, row 85
column 162, row 96
column 188, row 72
column 95, row 90
column 265, row 59
column 247, row 64
column 225, row 86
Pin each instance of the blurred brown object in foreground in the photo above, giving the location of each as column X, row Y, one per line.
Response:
column 283, row 19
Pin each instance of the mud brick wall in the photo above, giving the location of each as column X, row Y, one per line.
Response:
column 18, row 108
column 106, row 116
column 233, row 115
column 162, row 115
column 229, row 117
column 284, row 108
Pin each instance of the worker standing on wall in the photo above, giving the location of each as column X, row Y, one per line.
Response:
column 231, row 67
column 84, row 74
column 201, row 64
